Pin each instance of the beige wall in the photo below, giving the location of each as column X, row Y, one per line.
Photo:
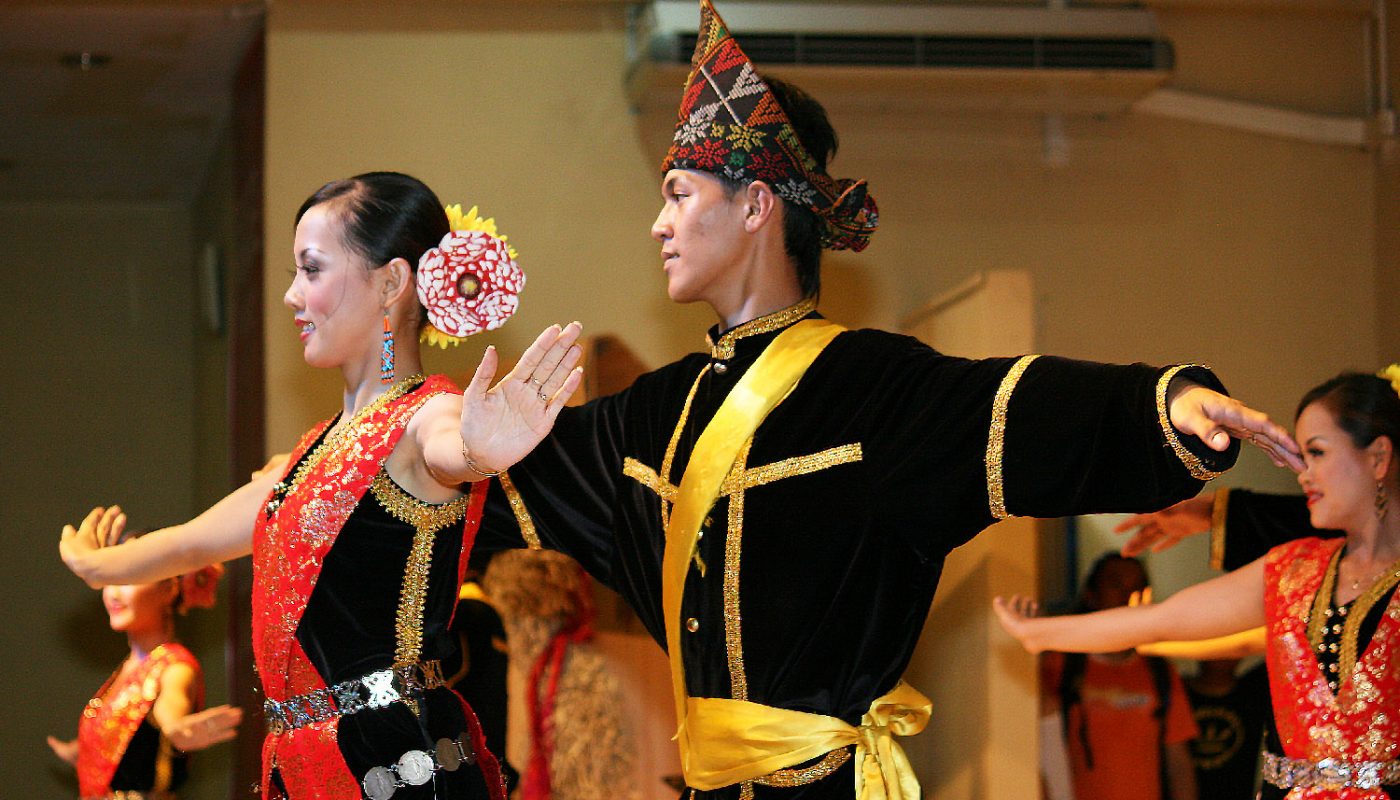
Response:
column 98, row 410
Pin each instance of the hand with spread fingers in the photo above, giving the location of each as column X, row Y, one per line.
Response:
column 1162, row 530
column 205, row 728
column 501, row 423
column 102, row 527
column 1214, row 418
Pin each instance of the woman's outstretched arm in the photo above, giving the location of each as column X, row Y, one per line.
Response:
column 223, row 532
column 1228, row 604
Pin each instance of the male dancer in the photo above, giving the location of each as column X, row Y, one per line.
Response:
column 778, row 509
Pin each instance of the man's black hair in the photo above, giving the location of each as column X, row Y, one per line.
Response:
column 802, row 229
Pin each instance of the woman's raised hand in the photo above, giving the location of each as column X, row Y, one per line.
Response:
column 501, row 423
column 102, row 527
column 1161, row 530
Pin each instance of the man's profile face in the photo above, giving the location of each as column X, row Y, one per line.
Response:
column 701, row 231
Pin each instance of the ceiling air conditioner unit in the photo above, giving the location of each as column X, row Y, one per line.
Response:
column 872, row 57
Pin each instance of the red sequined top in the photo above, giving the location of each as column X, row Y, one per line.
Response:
column 1361, row 722
column 115, row 714
column 292, row 547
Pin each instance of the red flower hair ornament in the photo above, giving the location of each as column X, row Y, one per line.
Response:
column 200, row 588
column 470, row 282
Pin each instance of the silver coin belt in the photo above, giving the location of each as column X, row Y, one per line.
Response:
column 1329, row 773
column 417, row 767
column 375, row 690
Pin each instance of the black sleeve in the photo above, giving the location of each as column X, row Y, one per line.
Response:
column 1084, row 438
column 1248, row 524
column 571, row 480
column 969, row 442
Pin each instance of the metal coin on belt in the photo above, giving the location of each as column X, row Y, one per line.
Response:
column 450, row 754
column 379, row 784
column 416, row 767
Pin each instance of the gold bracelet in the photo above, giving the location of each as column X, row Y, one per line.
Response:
column 471, row 465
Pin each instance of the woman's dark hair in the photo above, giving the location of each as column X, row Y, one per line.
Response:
column 1365, row 406
column 384, row 215
column 802, row 229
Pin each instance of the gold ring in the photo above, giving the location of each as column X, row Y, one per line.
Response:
column 543, row 399
column 535, row 382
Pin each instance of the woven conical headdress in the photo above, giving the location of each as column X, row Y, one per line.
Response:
column 731, row 125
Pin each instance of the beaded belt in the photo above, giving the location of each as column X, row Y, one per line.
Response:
column 416, row 767
column 375, row 690
column 1329, row 773
column 801, row 776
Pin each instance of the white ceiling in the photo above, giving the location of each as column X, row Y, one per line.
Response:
column 140, row 128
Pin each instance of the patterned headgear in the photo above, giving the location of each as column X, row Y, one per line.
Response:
column 730, row 124
column 470, row 282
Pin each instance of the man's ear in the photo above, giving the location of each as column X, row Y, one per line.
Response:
column 760, row 206
column 397, row 279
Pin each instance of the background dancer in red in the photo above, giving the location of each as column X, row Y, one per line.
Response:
column 136, row 732
column 1330, row 606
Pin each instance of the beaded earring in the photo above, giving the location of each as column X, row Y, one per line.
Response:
column 386, row 356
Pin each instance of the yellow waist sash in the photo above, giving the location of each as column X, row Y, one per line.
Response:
column 723, row 741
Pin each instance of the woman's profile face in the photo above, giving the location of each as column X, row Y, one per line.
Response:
column 138, row 608
column 332, row 296
column 1337, row 476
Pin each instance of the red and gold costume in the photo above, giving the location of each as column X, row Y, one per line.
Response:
column 114, row 718
column 1359, row 723
column 350, row 573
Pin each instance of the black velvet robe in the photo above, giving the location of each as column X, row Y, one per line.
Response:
column 1254, row 522
column 834, row 559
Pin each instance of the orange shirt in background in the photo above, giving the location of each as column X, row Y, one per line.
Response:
column 1118, row 703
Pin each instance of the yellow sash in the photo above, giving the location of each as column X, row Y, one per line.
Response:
column 724, row 741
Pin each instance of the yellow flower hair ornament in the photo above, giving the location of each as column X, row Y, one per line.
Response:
column 470, row 282
column 1392, row 374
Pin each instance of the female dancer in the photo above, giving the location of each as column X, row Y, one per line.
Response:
column 360, row 543
column 135, row 733
column 1330, row 608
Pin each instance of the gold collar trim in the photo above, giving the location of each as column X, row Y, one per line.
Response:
column 724, row 348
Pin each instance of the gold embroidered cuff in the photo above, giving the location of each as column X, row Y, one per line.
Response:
column 996, row 437
column 1190, row 460
column 522, row 514
column 1219, row 508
